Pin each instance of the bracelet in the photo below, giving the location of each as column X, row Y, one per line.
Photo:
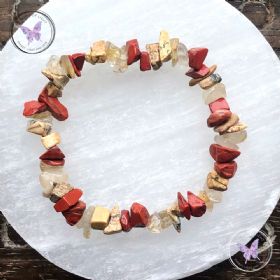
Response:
column 54, row 181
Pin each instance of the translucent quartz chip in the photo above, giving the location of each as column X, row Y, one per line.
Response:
column 55, row 67
column 84, row 222
column 232, row 138
column 214, row 196
column 39, row 127
column 47, row 180
column 121, row 62
column 219, row 139
column 214, row 93
column 182, row 54
column 51, row 169
column 154, row 224
column 113, row 53
column 209, row 204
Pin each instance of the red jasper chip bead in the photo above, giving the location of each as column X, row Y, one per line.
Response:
column 184, row 206
column 223, row 154
column 68, row 200
column 197, row 57
column 58, row 110
column 133, row 51
column 54, row 162
column 33, row 107
column 74, row 213
column 139, row 215
column 218, row 117
column 226, row 170
column 125, row 221
column 145, row 62
column 219, row 104
column 77, row 60
column 202, row 72
column 53, row 153
column 197, row 205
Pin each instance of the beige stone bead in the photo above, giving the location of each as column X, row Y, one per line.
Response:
column 67, row 66
column 44, row 116
column 237, row 127
column 113, row 53
column 53, row 90
column 39, row 127
column 48, row 179
column 59, row 190
column 121, row 63
column 214, row 196
column 224, row 127
column 154, row 223
column 153, row 50
column 84, row 222
column 216, row 182
column 234, row 137
column 219, row 139
column 51, row 169
column 174, row 42
column 174, row 209
column 164, row 46
column 59, row 80
column 114, row 225
column 210, row 81
column 97, row 52
column 100, row 218
column 51, row 140
column 214, row 93
column 209, row 204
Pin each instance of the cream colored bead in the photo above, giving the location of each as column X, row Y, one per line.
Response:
column 39, row 127
column 234, row 137
column 97, row 52
column 164, row 46
column 209, row 204
column 213, row 93
column 237, row 127
column 44, row 116
column 100, row 218
column 174, row 42
column 59, row 80
column 84, row 222
column 121, row 63
column 67, row 66
column 153, row 50
column 51, row 169
column 59, row 190
column 216, row 182
column 113, row 53
column 53, row 90
column 214, row 196
column 51, row 140
column 114, row 225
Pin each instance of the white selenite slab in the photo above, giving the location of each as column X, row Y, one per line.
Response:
column 142, row 137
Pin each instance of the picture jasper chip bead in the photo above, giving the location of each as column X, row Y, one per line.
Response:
column 100, row 218
column 153, row 50
column 210, row 81
column 39, row 127
column 237, row 127
column 216, row 182
column 74, row 213
column 68, row 200
column 53, row 90
column 59, row 190
column 97, row 53
column 139, row 215
column 114, row 225
column 164, row 46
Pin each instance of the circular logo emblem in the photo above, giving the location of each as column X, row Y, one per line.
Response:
column 252, row 256
column 36, row 34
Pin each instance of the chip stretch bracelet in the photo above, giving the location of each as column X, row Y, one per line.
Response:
column 54, row 181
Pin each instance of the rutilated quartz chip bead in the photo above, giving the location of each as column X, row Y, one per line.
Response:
column 214, row 196
column 164, row 46
column 153, row 50
column 233, row 137
column 100, row 218
column 182, row 55
column 219, row 139
column 213, row 93
column 113, row 53
column 209, row 204
column 121, row 62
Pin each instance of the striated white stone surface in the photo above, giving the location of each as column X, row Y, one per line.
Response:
column 142, row 137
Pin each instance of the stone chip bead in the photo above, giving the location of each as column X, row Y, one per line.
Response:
column 219, row 104
column 154, row 223
column 68, row 66
column 74, row 213
column 58, row 110
column 53, row 90
column 164, row 46
column 223, row 154
column 33, row 107
column 53, row 154
column 39, row 127
column 216, row 182
column 139, row 215
column 218, row 118
column 213, row 93
column 68, row 200
column 145, row 63
column 100, row 218
column 184, row 206
column 114, row 225
column 59, row 190
column 210, row 81
column 121, row 62
column 57, row 169
column 197, row 205
column 233, row 137
column 59, row 80
column 182, row 56
column 214, row 196
column 197, row 57
column 223, row 128
column 153, row 50
column 113, row 53
column 51, row 140
column 77, row 60
column 133, row 51
column 237, row 127
column 174, row 43
column 97, row 53
column 84, row 222
column 125, row 221
column 209, row 204
column 198, row 74
column 226, row 170
column 194, row 82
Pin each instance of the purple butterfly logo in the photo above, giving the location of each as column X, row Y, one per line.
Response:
column 251, row 252
column 32, row 34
